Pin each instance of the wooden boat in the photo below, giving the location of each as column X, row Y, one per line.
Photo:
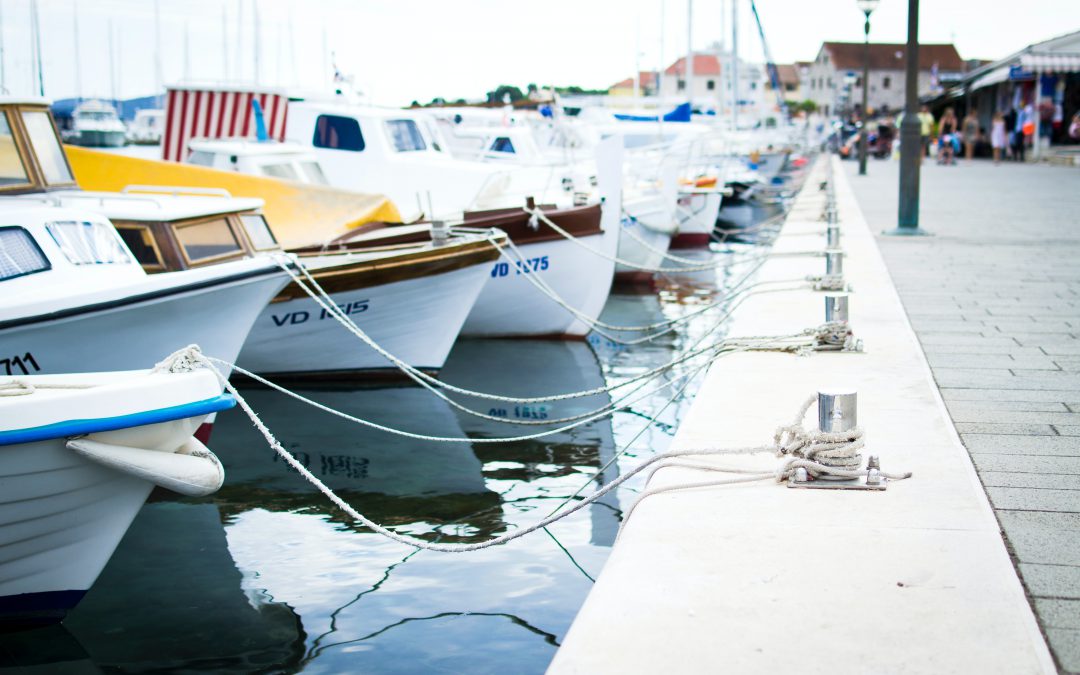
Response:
column 79, row 454
column 410, row 298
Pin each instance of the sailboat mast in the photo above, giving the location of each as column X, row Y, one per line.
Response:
column 257, row 45
column 734, row 64
column 3, row 72
column 78, row 57
column 225, row 42
column 690, row 52
column 112, row 64
column 660, row 70
column 35, row 21
column 159, row 77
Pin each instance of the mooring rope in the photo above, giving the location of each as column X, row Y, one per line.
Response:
column 800, row 441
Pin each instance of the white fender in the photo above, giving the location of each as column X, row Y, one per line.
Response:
column 192, row 470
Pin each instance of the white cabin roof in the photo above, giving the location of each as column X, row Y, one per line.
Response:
column 145, row 207
column 246, row 148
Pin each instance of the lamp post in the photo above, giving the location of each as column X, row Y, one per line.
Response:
column 910, row 144
column 867, row 7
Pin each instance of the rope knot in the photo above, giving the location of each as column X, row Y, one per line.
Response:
column 182, row 361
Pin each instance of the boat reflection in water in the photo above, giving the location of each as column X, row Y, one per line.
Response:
column 529, row 369
column 171, row 599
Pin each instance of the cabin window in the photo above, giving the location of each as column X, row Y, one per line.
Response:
column 86, row 243
column 258, row 232
column 207, row 239
column 502, row 144
column 405, row 135
column 140, row 241
column 313, row 173
column 283, row 170
column 19, row 254
column 50, row 155
column 12, row 171
column 201, row 158
column 338, row 133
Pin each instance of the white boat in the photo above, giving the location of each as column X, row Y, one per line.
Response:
column 696, row 212
column 147, row 127
column 78, row 456
column 411, row 299
column 95, row 124
column 274, row 159
column 648, row 226
column 74, row 298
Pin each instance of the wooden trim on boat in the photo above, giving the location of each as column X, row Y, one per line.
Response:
column 27, row 157
column 579, row 221
column 416, row 264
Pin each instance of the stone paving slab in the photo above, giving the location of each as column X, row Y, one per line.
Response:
column 994, row 298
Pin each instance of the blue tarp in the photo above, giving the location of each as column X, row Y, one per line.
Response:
column 681, row 113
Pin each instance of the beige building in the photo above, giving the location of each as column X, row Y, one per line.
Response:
column 833, row 80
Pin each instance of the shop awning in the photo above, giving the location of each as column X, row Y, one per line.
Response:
column 995, row 76
column 1052, row 63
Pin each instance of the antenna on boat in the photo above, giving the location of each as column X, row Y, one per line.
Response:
column 260, row 122
column 35, row 21
column 78, row 60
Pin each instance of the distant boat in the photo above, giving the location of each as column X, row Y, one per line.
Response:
column 95, row 124
column 146, row 128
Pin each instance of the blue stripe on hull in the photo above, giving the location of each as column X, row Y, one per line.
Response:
column 142, row 418
column 36, row 609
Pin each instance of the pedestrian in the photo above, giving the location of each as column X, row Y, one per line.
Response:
column 1074, row 127
column 970, row 130
column 947, row 137
column 1010, row 132
column 926, row 127
column 997, row 136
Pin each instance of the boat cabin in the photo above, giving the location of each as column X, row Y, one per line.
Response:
column 31, row 156
column 171, row 230
column 288, row 161
column 44, row 247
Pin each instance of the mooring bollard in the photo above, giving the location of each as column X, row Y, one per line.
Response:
column 834, row 263
column 832, row 235
column 837, row 410
column 836, row 308
column 440, row 232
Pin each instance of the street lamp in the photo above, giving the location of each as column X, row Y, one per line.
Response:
column 867, row 7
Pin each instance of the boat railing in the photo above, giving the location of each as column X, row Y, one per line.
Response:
column 177, row 191
column 99, row 197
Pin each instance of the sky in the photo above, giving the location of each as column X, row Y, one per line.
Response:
column 398, row 51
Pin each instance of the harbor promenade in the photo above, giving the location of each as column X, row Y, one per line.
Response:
column 994, row 298
column 760, row 578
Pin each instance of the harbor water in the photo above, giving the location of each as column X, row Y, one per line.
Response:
column 267, row 576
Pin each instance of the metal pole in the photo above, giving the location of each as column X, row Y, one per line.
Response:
column 690, row 52
column 1035, row 99
column 735, row 65
column 910, row 141
column 864, row 118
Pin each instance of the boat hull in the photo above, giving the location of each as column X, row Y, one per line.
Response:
column 62, row 516
column 123, row 335
column 100, row 139
column 697, row 216
column 416, row 320
column 649, row 227
column 511, row 306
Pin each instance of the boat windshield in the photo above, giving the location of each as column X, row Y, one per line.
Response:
column 259, row 232
column 405, row 135
column 12, row 170
column 19, row 254
column 46, row 146
column 96, row 116
column 280, row 170
column 313, row 173
column 207, row 240
column 87, row 243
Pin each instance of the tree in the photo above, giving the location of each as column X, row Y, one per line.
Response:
column 504, row 90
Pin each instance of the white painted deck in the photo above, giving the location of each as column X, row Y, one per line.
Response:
column 765, row 579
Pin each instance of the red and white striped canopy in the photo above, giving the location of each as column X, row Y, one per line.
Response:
column 214, row 113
